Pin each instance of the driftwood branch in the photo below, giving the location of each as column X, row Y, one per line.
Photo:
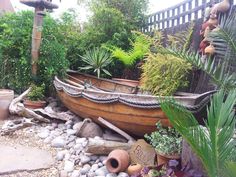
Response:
column 103, row 147
column 116, row 129
column 12, row 126
column 18, row 108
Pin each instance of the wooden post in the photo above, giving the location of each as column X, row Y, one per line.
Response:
column 39, row 6
column 36, row 38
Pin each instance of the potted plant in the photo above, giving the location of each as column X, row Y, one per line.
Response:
column 35, row 98
column 167, row 142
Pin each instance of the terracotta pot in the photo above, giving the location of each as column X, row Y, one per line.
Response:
column 117, row 161
column 164, row 159
column 134, row 169
column 34, row 104
column 133, row 83
column 6, row 96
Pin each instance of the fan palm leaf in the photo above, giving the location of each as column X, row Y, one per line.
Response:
column 213, row 143
column 96, row 59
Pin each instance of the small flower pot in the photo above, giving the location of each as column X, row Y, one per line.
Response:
column 117, row 161
column 6, row 96
column 163, row 159
column 34, row 104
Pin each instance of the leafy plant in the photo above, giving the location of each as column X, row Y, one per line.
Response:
column 165, row 140
column 15, row 46
column 36, row 93
column 164, row 74
column 140, row 47
column 96, row 59
column 52, row 62
column 213, row 144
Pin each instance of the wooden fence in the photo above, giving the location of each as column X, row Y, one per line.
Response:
column 177, row 15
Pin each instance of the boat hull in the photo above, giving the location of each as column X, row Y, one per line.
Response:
column 136, row 114
column 135, row 121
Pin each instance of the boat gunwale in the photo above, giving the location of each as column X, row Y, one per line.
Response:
column 86, row 90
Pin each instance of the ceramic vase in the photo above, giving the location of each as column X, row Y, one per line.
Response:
column 117, row 161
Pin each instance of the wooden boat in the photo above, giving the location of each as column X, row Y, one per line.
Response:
column 136, row 114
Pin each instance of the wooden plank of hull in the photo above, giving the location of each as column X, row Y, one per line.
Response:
column 104, row 84
column 137, row 121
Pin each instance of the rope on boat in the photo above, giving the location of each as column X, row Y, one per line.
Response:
column 127, row 101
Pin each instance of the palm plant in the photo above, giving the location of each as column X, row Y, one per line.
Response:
column 96, row 59
column 224, row 40
column 213, row 144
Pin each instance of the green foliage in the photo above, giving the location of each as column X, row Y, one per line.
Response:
column 15, row 40
column 213, row 144
column 133, row 10
column 15, row 47
column 70, row 32
column 165, row 140
column 96, row 59
column 140, row 47
column 52, row 62
column 164, row 74
column 36, row 93
column 106, row 25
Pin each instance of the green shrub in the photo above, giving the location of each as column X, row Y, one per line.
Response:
column 36, row 93
column 164, row 74
column 52, row 62
column 15, row 39
column 15, row 47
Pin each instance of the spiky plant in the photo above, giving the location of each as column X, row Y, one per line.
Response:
column 213, row 144
column 96, row 59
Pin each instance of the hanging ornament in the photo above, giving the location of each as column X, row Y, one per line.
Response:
column 210, row 50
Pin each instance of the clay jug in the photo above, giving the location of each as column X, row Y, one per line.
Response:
column 203, row 45
column 210, row 49
column 118, row 161
column 134, row 169
column 6, row 96
column 213, row 22
column 207, row 31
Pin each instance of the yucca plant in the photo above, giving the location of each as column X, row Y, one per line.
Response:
column 96, row 59
column 213, row 144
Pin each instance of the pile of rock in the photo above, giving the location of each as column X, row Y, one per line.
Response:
column 71, row 153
